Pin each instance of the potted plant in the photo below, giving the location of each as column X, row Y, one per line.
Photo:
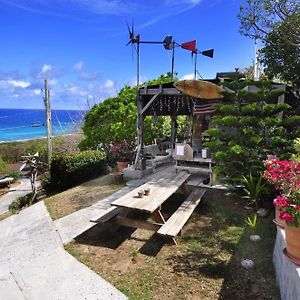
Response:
column 122, row 154
column 285, row 175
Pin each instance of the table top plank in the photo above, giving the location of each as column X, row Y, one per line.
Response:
column 130, row 199
column 160, row 190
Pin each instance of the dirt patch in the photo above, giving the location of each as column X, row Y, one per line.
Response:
column 81, row 196
column 204, row 265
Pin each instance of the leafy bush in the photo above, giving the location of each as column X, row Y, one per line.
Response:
column 2, row 164
column 70, row 169
column 15, row 174
column 19, row 203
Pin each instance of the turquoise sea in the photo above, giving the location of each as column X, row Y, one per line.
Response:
column 26, row 124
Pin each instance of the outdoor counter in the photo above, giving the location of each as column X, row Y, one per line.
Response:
column 287, row 273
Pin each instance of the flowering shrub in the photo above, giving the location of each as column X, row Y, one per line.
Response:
column 121, row 151
column 285, row 176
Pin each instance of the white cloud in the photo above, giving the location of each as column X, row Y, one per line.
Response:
column 79, row 65
column 46, row 68
column 188, row 76
column 36, row 92
column 18, row 83
column 89, row 75
column 109, row 84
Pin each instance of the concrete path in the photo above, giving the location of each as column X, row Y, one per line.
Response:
column 78, row 222
column 23, row 189
column 34, row 264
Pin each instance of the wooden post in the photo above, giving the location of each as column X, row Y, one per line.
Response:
column 173, row 130
column 197, row 132
column 48, row 122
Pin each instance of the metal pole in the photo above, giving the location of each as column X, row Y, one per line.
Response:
column 139, row 108
column 48, row 122
column 173, row 54
column 195, row 66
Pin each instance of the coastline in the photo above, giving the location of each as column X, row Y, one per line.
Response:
column 40, row 138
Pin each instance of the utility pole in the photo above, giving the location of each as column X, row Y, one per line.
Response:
column 48, row 122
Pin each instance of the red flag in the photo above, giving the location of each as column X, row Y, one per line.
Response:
column 189, row 46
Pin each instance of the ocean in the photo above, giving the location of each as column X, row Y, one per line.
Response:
column 26, row 124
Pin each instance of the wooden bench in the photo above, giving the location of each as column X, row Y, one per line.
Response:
column 6, row 182
column 176, row 222
column 152, row 152
column 107, row 216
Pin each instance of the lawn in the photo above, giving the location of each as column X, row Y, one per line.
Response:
column 81, row 196
column 204, row 265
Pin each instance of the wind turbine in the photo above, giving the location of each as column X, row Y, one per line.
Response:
column 136, row 39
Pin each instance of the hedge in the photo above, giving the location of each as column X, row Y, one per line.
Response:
column 70, row 169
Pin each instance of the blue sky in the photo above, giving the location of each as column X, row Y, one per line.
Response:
column 79, row 46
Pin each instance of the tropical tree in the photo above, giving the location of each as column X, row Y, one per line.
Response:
column 114, row 120
column 281, row 59
column 260, row 17
column 277, row 25
column 248, row 127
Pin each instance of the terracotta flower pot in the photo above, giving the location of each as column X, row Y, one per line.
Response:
column 121, row 165
column 292, row 235
column 117, row 177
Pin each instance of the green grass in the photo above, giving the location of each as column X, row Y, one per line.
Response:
column 206, row 263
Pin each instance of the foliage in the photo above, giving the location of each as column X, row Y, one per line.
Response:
column 70, row 169
column 277, row 24
column 19, row 203
column 285, row 176
column 15, row 174
column 121, row 151
column 282, row 59
column 247, row 128
column 297, row 145
column 114, row 120
column 259, row 17
column 2, row 164
column 253, row 188
column 252, row 222
column 12, row 151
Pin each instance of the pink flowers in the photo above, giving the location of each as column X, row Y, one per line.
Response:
column 286, row 217
column 285, row 176
column 281, row 201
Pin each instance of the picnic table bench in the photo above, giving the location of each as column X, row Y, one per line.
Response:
column 161, row 189
column 6, row 181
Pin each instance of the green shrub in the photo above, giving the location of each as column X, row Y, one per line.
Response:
column 2, row 164
column 70, row 169
column 19, row 203
column 15, row 174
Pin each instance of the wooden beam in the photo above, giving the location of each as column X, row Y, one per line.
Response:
column 154, row 91
column 136, row 223
column 149, row 103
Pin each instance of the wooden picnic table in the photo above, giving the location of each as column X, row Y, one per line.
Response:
column 160, row 191
column 161, row 188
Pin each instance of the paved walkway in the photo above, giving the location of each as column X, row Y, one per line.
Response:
column 23, row 189
column 78, row 222
column 34, row 264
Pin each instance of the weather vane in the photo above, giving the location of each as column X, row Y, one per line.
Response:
column 169, row 44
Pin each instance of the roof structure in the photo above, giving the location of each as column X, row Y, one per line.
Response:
column 167, row 100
